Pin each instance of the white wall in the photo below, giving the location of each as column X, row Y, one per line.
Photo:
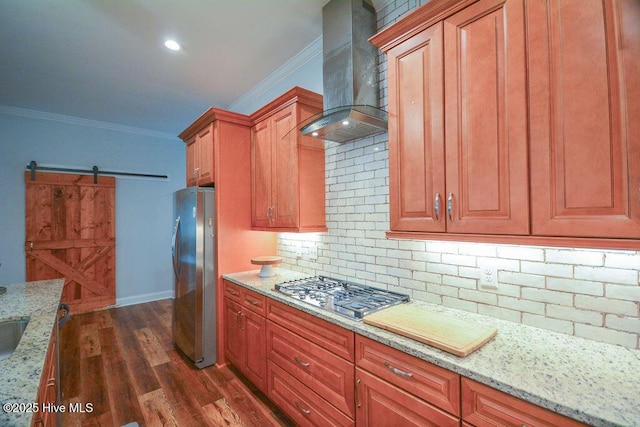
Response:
column 594, row 294
column 143, row 206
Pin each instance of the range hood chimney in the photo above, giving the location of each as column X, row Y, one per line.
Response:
column 349, row 75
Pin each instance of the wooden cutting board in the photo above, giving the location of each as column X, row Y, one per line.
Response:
column 453, row 335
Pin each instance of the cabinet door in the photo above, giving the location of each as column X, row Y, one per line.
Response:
column 205, row 141
column 233, row 336
column 416, row 133
column 584, row 64
column 378, row 400
column 192, row 162
column 261, row 172
column 285, row 168
column 254, row 330
column 486, row 119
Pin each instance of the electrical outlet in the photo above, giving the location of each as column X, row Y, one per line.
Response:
column 299, row 253
column 313, row 253
column 488, row 277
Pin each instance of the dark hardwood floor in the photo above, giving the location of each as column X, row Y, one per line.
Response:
column 122, row 362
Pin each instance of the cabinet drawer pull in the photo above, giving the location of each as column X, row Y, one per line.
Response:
column 232, row 292
column 300, row 362
column 302, row 408
column 450, row 206
column 436, row 206
column 398, row 371
column 252, row 302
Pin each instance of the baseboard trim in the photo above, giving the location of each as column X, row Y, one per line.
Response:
column 142, row 298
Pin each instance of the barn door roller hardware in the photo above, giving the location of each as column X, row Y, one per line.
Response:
column 33, row 166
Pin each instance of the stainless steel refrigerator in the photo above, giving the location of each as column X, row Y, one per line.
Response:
column 193, row 255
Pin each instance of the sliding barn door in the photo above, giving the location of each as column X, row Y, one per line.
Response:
column 70, row 233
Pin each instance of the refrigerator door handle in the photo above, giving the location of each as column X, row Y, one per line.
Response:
column 175, row 249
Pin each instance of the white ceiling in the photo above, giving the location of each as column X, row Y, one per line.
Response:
column 105, row 60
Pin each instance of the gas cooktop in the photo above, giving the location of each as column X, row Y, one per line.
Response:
column 349, row 299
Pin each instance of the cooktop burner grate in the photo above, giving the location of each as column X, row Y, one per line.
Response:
column 349, row 299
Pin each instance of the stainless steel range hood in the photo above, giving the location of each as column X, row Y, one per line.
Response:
column 349, row 75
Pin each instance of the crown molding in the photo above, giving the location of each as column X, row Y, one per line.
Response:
column 78, row 121
column 305, row 55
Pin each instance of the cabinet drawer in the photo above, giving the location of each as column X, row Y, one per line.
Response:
column 432, row 383
column 247, row 298
column 254, row 301
column 378, row 400
column 330, row 376
column 299, row 402
column 232, row 291
column 327, row 335
column 486, row 406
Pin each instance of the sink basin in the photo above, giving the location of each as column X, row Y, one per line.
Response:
column 10, row 333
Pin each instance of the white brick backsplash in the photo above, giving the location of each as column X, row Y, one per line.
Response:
column 570, row 313
column 628, row 293
column 606, row 335
column 606, row 305
column 522, row 305
column 477, row 296
column 543, row 295
column 456, row 259
column 575, row 286
column 460, row 304
column 629, row 260
column 525, row 279
column 520, row 252
column 556, row 270
column 560, row 289
column 450, row 291
column 621, row 323
column 609, row 275
column 557, row 325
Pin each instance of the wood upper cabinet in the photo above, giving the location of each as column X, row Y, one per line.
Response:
column 457, row 123
column 287, row 181
column 200, row 162
column 584, row 68
column 203, row 138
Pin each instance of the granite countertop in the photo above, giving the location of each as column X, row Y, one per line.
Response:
column 593, row 382
column 20, row 373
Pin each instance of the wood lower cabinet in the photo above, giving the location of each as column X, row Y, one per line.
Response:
column 394, row 386
column 49, row 384
column 310, row 367
column 245, row 333
column 379, row 400
column 483, row 406
column 287, row 181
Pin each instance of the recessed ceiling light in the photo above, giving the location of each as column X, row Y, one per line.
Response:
column 172, row 45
